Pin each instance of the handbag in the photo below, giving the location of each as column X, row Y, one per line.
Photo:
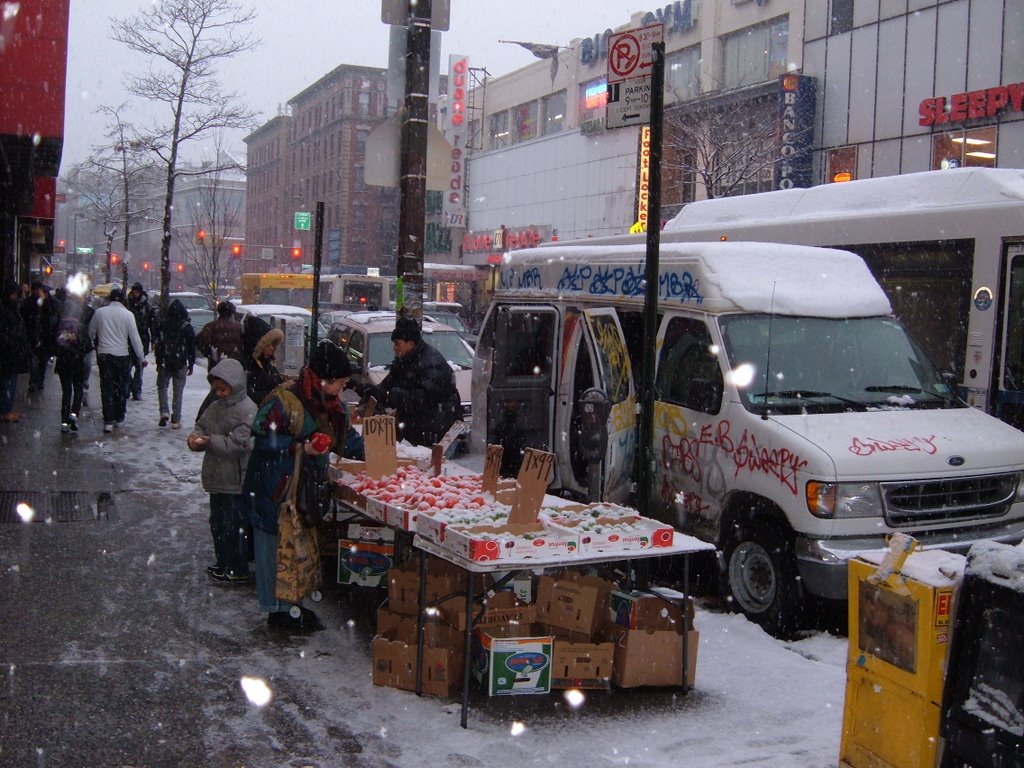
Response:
column 298, row 551
column 314, row 492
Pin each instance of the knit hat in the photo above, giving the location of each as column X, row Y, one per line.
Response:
column 329, row 361
column 138, row 287
column 406, row 329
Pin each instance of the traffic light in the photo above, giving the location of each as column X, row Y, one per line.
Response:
column 236, row 250
column 296, row 253
column 180, row 267
column 114, row 259
column 201, row 237
column 145, row 266
column 47, row 270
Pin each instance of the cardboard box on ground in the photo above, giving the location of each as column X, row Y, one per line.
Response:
column 566, row 638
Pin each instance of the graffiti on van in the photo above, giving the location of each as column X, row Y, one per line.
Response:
column 745, row 454
column 871, row 445
column 619, row 281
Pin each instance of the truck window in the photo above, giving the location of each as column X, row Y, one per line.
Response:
column 689, row 374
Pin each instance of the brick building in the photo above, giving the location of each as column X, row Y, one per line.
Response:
column 315, row 151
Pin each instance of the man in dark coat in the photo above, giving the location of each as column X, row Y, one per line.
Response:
column 222, row 337
column 420, row 387
column 40, row 314
column 146, row 321
column 14, row 351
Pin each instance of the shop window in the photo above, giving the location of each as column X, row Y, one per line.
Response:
column 553, row 118
column 755, row 54
column 499, row 134
column 593, row 99
column 842, row 165
column 972, row 147
column 679, row 180
column 526, row 121
column 682, row 75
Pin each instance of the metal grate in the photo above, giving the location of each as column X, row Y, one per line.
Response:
column 943, row 501
column 56, row 506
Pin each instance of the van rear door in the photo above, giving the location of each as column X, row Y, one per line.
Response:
column 520, row 391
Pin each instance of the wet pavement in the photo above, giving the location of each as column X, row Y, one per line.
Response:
column 116, row 649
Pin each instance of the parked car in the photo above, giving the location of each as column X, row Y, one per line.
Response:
column 450, row 313
column 200, row 317
column 190, row 300
column 366, row 337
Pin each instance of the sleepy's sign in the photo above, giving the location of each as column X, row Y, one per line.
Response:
column 972, row 105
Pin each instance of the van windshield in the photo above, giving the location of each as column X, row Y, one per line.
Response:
column 823, row 365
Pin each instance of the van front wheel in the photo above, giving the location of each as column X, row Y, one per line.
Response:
column 762, row 578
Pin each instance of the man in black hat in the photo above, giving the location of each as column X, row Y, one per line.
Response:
column 146, row 321
column 420, row 387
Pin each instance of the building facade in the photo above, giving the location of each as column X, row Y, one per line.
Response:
column 316, row 152
column 810, row 91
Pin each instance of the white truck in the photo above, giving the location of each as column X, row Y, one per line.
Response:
column 796, row 422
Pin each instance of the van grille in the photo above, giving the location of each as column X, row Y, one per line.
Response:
column 943, row 501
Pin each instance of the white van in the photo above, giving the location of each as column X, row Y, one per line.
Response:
column 796, row 423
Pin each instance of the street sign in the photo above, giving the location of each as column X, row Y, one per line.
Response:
column 629, row 75
column 303, row 220
column 85, row 251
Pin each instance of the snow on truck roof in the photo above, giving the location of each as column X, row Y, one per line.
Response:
column 714, row 277
column 958, row 188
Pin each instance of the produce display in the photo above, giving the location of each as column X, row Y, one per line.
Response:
column 454, row 511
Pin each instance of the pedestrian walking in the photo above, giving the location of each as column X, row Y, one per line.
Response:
column 145, row 321
column 39, row 313
column 222, row 337
column 72, row 345
column 174, row 347
column 116, row 337
column 223, row 434
column 419, row 387
column 284, row 425
column 15, row 352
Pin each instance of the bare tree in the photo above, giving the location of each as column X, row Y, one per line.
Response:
column 214, row 208
column 110, row 192
column 126, row 162
column 724, row 142
column 185, row 40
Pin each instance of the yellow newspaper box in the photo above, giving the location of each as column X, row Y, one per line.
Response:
column 900, row 621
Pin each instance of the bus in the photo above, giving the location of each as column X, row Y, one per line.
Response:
column 947, row 247
column 356, row 292
column 295, row 290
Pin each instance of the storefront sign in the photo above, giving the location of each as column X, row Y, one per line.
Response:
column 973, row 105
column 676, row 17
column 643, row 182
column 454, row 206
column 796, row 130
column 504, row 239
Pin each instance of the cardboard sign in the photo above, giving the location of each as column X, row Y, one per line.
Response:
column 492, row 465
column 535, row 474
column 380, row 441
column 456, row 429
column 370, row 408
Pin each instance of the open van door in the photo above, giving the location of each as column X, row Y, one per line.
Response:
column 520, row 390
column 601, row 360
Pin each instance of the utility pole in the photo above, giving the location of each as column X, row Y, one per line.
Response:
column 413, row 165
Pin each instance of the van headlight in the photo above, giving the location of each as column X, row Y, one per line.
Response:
column 843, row 500
column 1020, row 488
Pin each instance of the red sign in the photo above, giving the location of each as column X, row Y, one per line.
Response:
column 972, row 105
column 503, row 239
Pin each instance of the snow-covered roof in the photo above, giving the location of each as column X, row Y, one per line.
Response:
column 958, row 188
column 710, row 276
